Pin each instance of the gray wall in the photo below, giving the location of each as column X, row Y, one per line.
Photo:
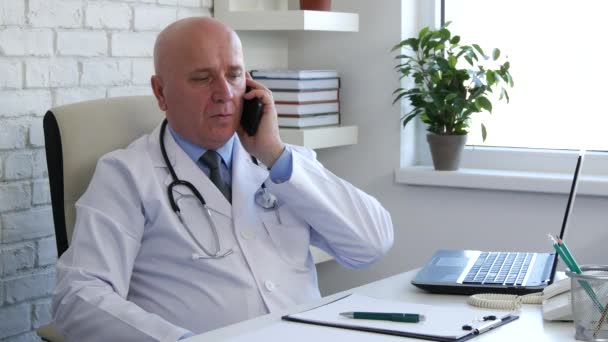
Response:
column 425, row 218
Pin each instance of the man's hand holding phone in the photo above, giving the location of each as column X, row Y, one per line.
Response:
column 265, row 144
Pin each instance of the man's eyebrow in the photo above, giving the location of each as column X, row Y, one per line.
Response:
column 236, row 68
column 203, row 70
column 200, row 70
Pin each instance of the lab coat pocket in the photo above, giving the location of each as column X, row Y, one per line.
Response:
column 290, row 236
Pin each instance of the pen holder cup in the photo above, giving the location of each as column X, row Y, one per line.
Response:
column 589, row 298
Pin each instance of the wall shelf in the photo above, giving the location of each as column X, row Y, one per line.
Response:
column 320, row 137
column 291, row 20
column 239, row 17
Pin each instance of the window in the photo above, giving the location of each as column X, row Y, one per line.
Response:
column 557, row 52
column 557, row 55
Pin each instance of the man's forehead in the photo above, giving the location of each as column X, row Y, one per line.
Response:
column 199, row 44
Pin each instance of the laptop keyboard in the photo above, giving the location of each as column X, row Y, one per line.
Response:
column 499, row 268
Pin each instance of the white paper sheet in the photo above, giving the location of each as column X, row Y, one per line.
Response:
column 440, row 321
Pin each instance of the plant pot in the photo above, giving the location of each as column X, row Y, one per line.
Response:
column 315, row 5
column 446, row 150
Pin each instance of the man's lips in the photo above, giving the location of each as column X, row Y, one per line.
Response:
column 221, row 115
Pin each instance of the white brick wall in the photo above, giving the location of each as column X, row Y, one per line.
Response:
column 24, row 102
column 12, row 12
column 133, row 44
column 17, row 258
column 108, row 15
column 153, row 17
column 15, row 319
column 55, row 13
column 82, row 43
column 18, row 165
column 11, row 74
column 12, row 134
column 105, row 72
column 16, row 41
column 55, row 52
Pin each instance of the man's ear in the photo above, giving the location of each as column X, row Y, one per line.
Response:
column 157, row 88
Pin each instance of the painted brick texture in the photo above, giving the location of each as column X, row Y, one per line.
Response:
column 55, row 52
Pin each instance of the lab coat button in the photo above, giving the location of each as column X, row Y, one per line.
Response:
column 247, row 234
column 270, row 286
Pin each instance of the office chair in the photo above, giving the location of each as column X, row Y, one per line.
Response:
column 76, row 136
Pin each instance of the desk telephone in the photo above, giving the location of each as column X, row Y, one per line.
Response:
column 555, row 300
column 557, row 305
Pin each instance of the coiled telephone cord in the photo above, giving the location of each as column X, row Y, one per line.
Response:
column 504, row 301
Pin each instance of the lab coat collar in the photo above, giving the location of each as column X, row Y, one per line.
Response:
column 247, row 177
column 186, row 169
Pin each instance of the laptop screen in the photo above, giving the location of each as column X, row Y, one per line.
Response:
column 571, row 197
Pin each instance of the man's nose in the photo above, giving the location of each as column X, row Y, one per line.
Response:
column 222, row 90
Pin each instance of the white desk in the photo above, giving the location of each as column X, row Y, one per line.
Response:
column 529, row 327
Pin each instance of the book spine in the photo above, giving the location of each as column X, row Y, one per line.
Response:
column 303, row 102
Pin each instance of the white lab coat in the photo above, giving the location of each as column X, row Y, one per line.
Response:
column 130, row 275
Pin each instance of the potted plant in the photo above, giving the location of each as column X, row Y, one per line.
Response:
column 451, row 82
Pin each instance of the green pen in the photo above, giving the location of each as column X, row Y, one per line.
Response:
column 568, row 259
column 385, row 316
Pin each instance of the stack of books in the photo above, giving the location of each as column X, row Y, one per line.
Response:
column 303, row 98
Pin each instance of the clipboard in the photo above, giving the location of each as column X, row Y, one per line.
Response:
column 441, row 323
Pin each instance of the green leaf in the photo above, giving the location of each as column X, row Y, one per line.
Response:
column 409, row 118
column 495, row 54
column 455, row 40
column 444, row 34
column 490, row 77
column 411, row 42
column 478, row 48
column 504, row 94
column 452, row 61
column 483, row 102
column 399, row 97
column 484, row 132
column 423, row 32
column 510, row 80
column 397, row 90
column 468, row 59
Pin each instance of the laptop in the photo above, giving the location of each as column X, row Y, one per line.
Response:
column 471, row 272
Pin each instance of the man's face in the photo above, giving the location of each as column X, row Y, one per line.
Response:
column 203, row 89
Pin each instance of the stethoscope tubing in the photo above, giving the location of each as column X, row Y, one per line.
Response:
column 262, row 197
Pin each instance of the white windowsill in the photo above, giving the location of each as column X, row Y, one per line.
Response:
column 543, row 182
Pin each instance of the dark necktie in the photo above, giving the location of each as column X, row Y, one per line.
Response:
column 218, row 172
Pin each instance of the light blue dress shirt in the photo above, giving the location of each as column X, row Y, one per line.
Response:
column 279, row 172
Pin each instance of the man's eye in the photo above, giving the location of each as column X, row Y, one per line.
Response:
column 235, row 76
column 200, row 79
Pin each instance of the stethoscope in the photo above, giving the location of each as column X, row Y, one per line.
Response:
column 262, row 197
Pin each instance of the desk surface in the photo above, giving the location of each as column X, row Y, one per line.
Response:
column 529, row 327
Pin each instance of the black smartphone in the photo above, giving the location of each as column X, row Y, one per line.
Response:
column 252, row 114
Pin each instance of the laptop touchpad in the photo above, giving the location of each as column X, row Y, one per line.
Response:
column 452, row 262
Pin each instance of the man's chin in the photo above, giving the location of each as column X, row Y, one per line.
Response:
column 220, row 135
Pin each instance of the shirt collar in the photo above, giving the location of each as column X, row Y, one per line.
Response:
column 195, row 151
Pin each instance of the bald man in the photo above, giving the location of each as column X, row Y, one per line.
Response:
column 198, row 224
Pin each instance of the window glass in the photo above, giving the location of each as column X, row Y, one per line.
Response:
column 557, row 50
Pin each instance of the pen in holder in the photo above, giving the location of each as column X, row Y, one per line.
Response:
column 589, row 302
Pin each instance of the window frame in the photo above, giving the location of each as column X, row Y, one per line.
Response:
column 495, row 168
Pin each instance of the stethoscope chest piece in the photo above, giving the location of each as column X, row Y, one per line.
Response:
column 265, row 199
